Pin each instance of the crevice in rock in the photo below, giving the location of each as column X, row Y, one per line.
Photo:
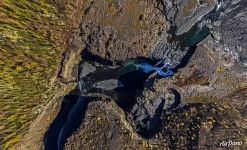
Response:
column 86, row 55
column 145, row 116
column 185, row 60
column 68, row 119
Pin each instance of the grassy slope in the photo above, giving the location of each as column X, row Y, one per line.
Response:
column 31, row 39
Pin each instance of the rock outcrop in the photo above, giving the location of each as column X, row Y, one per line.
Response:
column 120, row 30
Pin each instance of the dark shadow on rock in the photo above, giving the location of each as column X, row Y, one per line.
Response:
column 51, row 135
column 161, row 6
column 86, row 55
column 154, row 123
column 133, row 83
column 185, row 60
column 69, row 118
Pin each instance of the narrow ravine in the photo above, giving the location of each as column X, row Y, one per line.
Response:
column 70, row 116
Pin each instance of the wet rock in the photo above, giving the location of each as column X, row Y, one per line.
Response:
column 169, row 53
column 106, row 78
column 86, row 68
column 109, row 84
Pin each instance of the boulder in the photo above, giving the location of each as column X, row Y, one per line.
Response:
column 86, row 68
column 110, row 84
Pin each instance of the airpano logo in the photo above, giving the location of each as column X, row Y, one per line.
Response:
column 223, row 138
column 231, row 143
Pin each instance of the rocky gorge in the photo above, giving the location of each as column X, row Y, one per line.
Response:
column 115, row 104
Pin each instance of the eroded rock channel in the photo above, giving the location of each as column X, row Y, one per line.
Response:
column 156, row 74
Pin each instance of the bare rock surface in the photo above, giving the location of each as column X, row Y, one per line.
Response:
column 212, row 105
column 109, row 84
column 185, row 14
column 86, row 68
column 230, row 32
column 119, row 30
column 104, row 127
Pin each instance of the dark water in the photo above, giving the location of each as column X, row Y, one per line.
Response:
column 189, row 39
column 133, row 82
column 127, row 73
column 69, row 118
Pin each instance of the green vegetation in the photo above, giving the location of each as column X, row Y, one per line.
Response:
column 31, row 41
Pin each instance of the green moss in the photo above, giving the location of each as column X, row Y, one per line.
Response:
column 31, row 40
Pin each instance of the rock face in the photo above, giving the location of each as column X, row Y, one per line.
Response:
column 184, row 14
column 230, row 32
column 119, row 30
column 104, row 127
column 169, row 53
column 145, row 114
column 226, row 21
